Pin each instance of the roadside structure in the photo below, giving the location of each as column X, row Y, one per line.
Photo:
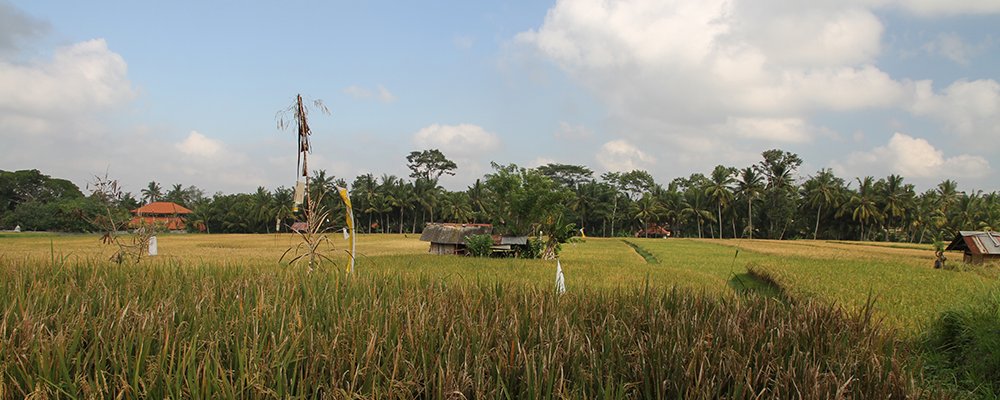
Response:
column 170, row 215
column 978, row 246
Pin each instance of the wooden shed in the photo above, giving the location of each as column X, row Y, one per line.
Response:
column 450, row 238
column 978, row 246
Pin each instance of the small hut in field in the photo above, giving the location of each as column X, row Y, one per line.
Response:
column 450, row 238
column 978, row 246
column 170, row 215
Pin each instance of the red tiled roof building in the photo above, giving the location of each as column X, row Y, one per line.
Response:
column 170, row 215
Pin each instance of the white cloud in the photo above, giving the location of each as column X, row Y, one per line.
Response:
column 197, row 144
column 938, row 7
column 380, row 93
column 80, row 79
column 723, row 77
column 462, row 139
column 914, row 158
column 790, row 130
column 970, row 109
column 951, row 46
column 573, row 133
column 620, row 155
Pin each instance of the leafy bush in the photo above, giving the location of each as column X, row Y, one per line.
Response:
column 964, row 346
column 532, row 250
column 479, row 245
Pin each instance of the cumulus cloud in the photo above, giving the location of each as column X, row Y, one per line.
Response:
column 80, row 78
column 197, row 144
column 950, row 46
column 789, row 130
column 620, row 155
column 970, row 109
column 462, row 139
column 573, row 133
column 726, row 77
column 380, row 93
column 915, row 158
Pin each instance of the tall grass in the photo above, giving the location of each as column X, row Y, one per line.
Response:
column 91, row 329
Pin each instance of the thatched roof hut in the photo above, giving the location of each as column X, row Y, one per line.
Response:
column 450, row 238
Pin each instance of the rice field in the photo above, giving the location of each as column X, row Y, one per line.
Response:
column 218, row 316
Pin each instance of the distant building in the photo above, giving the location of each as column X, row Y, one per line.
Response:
column 653, row 231
column 171, row 216
column 450, row 238
column 978, row 246
column 299, row 227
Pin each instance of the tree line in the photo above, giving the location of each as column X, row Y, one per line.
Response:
column 765, row 200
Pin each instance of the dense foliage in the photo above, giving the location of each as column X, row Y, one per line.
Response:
column 766, row 200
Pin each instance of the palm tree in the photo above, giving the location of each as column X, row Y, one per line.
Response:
column 822, row 191
column 862, row 203
column 647, row 209
column 152, row 193
column 694, row 206
column 719, row 190
column 750, row 186
column 176, row 195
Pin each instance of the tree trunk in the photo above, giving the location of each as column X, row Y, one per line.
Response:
column 816, row 231
column 720, row 220
column 614, row 210
column 400, row 220
column 699, row 227
column 750, row 216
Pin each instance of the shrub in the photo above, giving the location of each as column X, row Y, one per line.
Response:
column 479, row 245
column 964, row 346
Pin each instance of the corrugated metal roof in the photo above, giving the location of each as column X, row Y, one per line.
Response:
column 977, row 242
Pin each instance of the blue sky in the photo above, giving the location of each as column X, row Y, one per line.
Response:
column 186, row 92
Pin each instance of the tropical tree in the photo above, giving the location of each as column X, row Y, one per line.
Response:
column 822, row 190
column 719, row 190
column 862, row 205
column 750, row 186
column 153, row 192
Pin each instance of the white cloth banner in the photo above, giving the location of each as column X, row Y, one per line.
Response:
column 560, row 279
column 152, row 245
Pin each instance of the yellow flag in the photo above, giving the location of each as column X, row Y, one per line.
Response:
column 350, row 210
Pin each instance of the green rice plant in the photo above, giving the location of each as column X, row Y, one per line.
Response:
column 963, row 347
column 255, row 330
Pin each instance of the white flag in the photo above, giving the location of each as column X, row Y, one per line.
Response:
column 152, row 245
column 560, row 280
column 346, row 235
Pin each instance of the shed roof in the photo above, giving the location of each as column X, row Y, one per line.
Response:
column 162, row 207
column 976, row 242
column 453, row 233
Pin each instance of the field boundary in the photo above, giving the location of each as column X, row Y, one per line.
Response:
column 646, row 255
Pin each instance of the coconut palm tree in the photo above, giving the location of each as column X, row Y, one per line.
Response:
column 821, row 190
column 750, row 186
column 719, row 189
column 862, row 203
column 152, row 192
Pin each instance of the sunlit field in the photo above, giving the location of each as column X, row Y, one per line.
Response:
column 221, row 316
